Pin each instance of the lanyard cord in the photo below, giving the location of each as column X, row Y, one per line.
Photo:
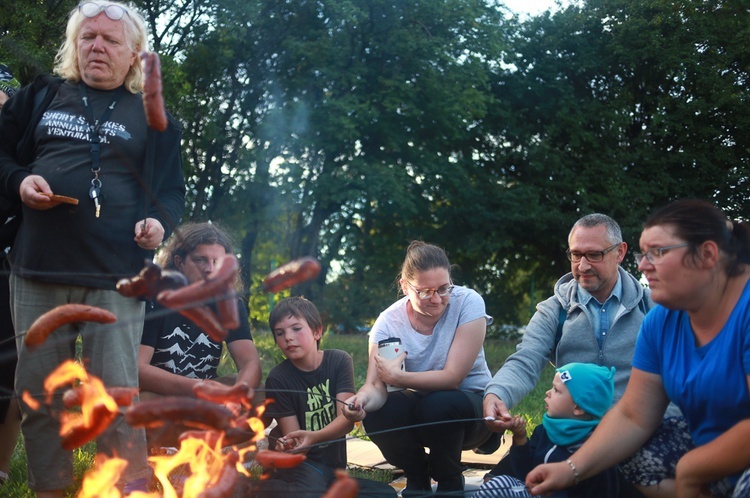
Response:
column 95, row 126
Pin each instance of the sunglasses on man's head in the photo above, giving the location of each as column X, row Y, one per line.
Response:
column 91, row 9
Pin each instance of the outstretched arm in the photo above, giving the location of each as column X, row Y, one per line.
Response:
column 371, row 396
column 246, row 358
column 522, row 370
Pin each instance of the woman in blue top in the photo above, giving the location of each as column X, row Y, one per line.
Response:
column 693, row 349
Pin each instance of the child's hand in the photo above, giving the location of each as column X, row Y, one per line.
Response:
column 518, row 427
column 354, row 409
column 301, row 440
column 286, row 443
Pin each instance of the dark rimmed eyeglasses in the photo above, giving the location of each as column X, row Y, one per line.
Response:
column 591, row 256
column 91, row 9
column 655, row 254
column 427, row 293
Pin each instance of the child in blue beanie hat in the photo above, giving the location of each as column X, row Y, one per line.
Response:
column 581, row 394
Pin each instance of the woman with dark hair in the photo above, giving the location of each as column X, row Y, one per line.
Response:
column 693, row 349
column 441, row 327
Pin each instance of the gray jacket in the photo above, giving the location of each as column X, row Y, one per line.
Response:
column 521, row 371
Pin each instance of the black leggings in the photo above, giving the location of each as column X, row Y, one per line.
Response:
column 405, row 448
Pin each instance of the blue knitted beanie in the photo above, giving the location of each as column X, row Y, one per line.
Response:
column 592, row 387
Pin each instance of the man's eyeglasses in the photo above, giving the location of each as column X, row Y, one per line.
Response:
column 91, row 9
column 655, row 255
column 591, row 256
column 427, row 293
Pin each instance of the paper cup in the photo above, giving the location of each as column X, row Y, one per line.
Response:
column 391, row 348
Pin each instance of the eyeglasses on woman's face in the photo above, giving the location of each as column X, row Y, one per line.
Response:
column 91, row 9
column 443, row 291
column 655, row 255
column 591, row 256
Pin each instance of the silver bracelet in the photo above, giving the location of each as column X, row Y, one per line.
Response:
column 576, row 478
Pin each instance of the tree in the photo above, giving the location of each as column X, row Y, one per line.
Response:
column 616, row 107
column 30, row 34
column 327, row 124
column 344, row 129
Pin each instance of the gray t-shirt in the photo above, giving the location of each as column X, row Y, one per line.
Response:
column 429, row 352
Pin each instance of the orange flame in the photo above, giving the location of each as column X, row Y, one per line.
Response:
column 200, row 466
column 98, row 409
column 30, row 401
column 101, row 480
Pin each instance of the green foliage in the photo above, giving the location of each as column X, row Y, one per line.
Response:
column 30, row 34
column 15, row 486
column 379, row 475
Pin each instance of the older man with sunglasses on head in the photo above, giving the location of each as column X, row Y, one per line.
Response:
column 84, row 135
column 593, row 317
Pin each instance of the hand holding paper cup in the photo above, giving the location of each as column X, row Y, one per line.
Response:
column 390, row 348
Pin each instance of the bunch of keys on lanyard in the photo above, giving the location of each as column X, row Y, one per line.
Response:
column 95, row 139
column 96, row 187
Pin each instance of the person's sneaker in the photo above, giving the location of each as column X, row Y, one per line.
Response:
column 453, row 486
column 417, row 486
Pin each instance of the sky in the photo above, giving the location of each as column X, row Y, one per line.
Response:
column 530, row 7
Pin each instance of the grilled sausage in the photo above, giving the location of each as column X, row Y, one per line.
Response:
column 188, row 411
column 290, row 274
column 61, row 315
column 153, row 101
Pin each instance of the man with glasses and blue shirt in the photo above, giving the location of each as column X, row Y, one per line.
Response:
column 593, row 317
column 84, row 135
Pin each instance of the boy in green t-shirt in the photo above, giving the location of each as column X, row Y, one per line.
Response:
column 304, row 389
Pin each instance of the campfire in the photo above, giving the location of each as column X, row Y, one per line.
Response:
column 226, row 426
column 209, row 460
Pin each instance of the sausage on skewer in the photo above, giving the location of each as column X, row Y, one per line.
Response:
column 153, row 101
column 61, row 315
column 292, row 273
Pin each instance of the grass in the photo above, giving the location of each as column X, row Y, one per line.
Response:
column 496, row 351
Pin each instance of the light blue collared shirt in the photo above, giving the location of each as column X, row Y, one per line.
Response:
column 601, row 315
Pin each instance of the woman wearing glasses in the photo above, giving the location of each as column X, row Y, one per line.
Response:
column 441, row 327
column 693, row 350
